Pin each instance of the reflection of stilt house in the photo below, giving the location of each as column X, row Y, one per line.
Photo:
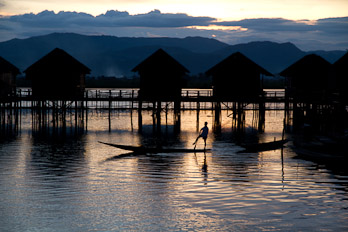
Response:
column 8, row 73
column 308, row 79
column 341, row 77
column 57, row 74
column 237, row 78
column 160, row 77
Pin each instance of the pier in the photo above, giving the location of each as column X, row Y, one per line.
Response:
column 191, row 99
column 50, row 112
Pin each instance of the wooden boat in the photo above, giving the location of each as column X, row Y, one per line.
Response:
column 319, row 156
column 321, row 150
column 154, row 150
column 257, row 147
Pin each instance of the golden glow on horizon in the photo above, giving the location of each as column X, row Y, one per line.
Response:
column 221, row 28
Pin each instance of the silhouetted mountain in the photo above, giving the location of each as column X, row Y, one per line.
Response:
column 116, row 56
column 274, row 57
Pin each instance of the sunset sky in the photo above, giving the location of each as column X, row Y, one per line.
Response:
column 222, row 9
column 310, row 24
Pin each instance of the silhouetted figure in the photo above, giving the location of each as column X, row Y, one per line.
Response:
column 203, row 134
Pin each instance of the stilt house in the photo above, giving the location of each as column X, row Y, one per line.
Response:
column 8, row 74
column 340, row 68
column 161, row 77
column 308, row 78
column 237, row 78
column 57, row 75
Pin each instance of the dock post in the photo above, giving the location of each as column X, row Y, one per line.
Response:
column 158, row 116
column 86, row 108
column 217, row 117
column 240, row 118
column 110, row 102
column 198, row 111
column 177, row 116
column 132, row 99
column 76, row 115
column 262, row 113
column 140, row 119
column 234, row 110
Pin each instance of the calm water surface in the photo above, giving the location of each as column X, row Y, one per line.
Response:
column 71, row 183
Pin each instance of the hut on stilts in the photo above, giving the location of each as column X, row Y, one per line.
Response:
column 340, row 73
column 308, row 79
column 309, row 86
column 58, row 79
column 57, row 75
column 8, row 74
column 237, row 79
column 8, row 103
column 161, row 80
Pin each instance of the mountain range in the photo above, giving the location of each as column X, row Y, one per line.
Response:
column 116, row 56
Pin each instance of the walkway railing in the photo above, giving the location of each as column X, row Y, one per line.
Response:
column 132, row 94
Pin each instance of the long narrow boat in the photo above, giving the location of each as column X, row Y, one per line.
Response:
column 154, row 150
column 257, row 147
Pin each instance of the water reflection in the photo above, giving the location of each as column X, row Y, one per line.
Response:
column 77, row 184
column 57, row 156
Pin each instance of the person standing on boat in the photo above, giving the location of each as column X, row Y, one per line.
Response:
column 203, row 134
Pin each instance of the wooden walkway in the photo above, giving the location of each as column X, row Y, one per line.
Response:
column 188, row 95
column 191, row 99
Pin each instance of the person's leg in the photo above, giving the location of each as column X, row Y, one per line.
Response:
column 196, row 140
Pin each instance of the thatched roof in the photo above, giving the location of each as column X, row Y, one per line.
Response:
column 160, row 60
column 6, row 66
column 58, row 61
column 238, row 63
column 308, row 64
column 342, row 63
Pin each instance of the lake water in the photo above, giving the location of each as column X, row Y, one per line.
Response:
column 74, row 183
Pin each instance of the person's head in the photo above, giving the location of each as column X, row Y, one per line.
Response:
column 206, row 123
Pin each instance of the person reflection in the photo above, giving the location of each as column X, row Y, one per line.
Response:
column 205, row 169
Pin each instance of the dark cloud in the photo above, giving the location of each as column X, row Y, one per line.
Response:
column 152, row 19
column 269, row 24
column 327, row 34
column 338, row 25
column 50, row 19
column 110, row 19
column 333, row 25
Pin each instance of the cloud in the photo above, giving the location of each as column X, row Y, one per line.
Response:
column 326, row 34
column 338, row 25
column 152, row 19
column 109, row 19
column 270, row 24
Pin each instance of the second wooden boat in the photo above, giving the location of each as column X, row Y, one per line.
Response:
column 258, row 147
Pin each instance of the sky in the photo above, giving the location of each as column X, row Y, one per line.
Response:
column 309, row 24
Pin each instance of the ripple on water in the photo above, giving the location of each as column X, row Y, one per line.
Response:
column 75, row 186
